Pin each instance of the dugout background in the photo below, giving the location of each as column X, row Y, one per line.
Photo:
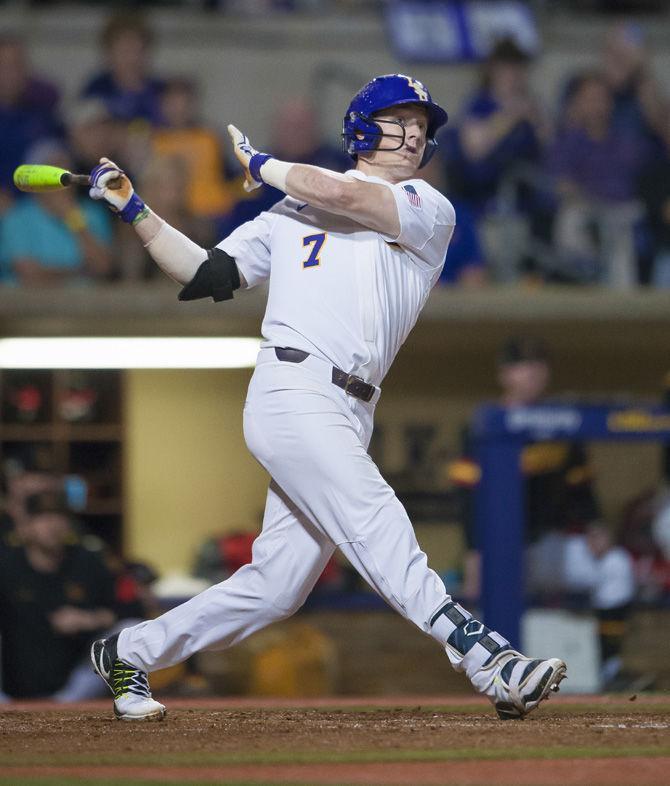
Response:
column 188, row 473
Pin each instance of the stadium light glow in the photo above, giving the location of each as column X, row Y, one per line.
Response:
column 122, row 353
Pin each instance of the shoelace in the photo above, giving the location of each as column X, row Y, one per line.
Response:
column 126, row 679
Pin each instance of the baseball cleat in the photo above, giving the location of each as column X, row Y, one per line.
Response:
column 522, row 683
column 129, row 685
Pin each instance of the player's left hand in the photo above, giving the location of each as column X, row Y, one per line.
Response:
column 244, row 152
column 110, row 183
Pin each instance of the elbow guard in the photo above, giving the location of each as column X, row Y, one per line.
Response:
column 217, row 277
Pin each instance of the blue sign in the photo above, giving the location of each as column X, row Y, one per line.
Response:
column 452, row 31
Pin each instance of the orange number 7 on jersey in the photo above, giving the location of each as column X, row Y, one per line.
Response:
column 316, row 241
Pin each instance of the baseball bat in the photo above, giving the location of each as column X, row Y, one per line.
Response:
column 38, row 178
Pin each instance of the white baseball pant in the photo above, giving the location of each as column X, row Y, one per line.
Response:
column 326, row 493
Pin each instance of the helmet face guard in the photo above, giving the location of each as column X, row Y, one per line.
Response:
column 362, row 134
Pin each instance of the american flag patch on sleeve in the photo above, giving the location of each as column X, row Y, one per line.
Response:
column 414, row 198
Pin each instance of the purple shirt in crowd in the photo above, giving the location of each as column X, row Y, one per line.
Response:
column 605, row 169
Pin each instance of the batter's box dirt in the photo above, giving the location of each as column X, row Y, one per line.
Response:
column 435, row 742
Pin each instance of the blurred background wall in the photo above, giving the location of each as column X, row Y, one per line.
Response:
column 188, row 473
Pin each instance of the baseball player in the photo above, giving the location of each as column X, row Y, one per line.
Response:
column 350, row 259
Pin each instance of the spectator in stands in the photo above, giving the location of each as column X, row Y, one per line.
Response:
column 492, row 156
column 654, row 191
column 126, row 84
column 559, row 491
column 92, row 132
column 596, row 166
column 56, row 237
column 183, row 135
column 56, row 595
column 19, row 484
column 639, row 103
column 595, row 565
column 295, row 132
column 502, row 126
column 28, row 111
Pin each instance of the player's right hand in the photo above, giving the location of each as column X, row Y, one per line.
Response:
column 109, row 182
column 244, row 152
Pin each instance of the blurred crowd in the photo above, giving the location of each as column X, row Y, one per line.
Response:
column 575, row 193
column 60, row 586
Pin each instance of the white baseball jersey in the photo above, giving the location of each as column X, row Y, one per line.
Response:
column 338, row 290
column 349, row 297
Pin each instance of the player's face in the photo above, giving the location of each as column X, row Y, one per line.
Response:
column 404, row 160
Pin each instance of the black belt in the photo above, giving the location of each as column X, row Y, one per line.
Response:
column 350, row 383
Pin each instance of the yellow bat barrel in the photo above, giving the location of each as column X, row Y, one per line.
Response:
column 39, row 177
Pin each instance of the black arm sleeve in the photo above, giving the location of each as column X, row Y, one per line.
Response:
column 217, row 277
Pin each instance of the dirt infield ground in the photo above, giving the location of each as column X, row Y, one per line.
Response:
column 611, row 741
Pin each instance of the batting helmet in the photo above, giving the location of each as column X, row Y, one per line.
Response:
column 360, row 132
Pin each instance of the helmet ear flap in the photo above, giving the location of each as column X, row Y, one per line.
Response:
column 429, row 150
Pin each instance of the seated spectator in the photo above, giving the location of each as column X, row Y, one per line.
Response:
column 639, row 103
column 500, row 127
column 28, row 112
column 56, row 596
column 654, row 191
column 596, row 166
column 492, row 155
column 92, row 132
column 19, row 484
column 126, row 86
column 182, row 135
column 594, row 565
column 56, row 237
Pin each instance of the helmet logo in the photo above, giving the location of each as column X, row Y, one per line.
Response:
column 418, row 88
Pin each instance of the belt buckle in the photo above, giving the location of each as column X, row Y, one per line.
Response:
column 351, row 379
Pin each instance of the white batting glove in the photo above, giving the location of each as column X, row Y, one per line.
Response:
column 250, row 159
column 110, row 183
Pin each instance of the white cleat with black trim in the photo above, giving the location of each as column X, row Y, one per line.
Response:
column 129, row 685
column 522, row 683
